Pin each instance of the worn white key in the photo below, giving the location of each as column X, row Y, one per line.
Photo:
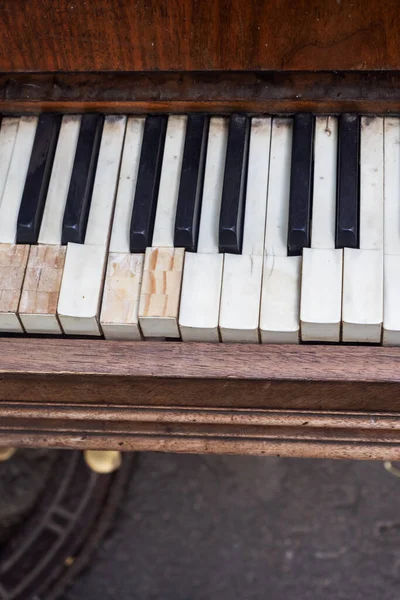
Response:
column 120, row 307
column 321, row 295
column 391, row 273
column 324, row 189
column 8, row 135
column 371, row 183
column 13, row 261
column 202, row 278
column 240, row 298
column 362, row 306
column 41, row 288
column 160, row 292
column 81, row 289
column 53, row 214
column 279, row 187
column 119, row 317
column 16, row 176
column 242, row 276
column 163, row 267
column 105, row 183
column 392, row 186
column 16, row 139
column 391, row 300
column 280, row 294
column 321, row 283
column 280, row 305
column 127, row 184
column 362, row 309
column 79, row 302
column 164, row 223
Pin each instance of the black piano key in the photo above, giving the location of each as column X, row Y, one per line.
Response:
column 301, row 184
column 148, row 181
column 348, row 181
column 82, row 179
column 191, row 183
column 37, row 180
column 234, row 186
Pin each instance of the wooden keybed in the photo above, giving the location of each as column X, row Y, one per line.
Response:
column 179, row 56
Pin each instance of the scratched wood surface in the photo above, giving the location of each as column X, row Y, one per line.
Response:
column 121, row 35
column 216, row 92
column 302, row 433
column 200, row 375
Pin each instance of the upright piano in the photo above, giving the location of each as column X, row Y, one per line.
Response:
column 200, row 226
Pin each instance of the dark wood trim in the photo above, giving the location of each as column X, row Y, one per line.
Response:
column 215, row 92
column 99, row 373
column 283, row 433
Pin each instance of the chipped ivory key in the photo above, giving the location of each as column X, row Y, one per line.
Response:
column 119, row 313
column 160, row 294
column 41, row 289
column 13, row 261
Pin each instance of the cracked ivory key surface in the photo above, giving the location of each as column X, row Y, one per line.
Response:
column 160, row 293
column 41, row 289
column 13, row 261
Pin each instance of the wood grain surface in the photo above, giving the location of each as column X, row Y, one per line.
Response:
column 216, row 92
column 61, row 35
column 193, row 375
column 303, row 433
column 320, row 401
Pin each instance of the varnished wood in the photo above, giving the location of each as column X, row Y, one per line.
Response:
column 302, row 433
column 220, row 92
column 202, row 375
column 107, row 35
column 325, row 401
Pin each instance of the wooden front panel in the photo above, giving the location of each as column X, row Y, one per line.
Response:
column 122, row 35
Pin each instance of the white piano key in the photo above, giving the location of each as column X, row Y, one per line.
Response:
column 257, row 187
column 13, row 261
column 280, row 300
column 242, row 275
column 202, row 276
column 362, row 307
column 119, row 317
column 324, row 190
column 15, row 182
column 127, row 184
column 212, row 188
column 321, row 295
column 322, row 265
column 50, row 230
column 163, row 234
column 371, row 183
column 240, row 298
column 160, row 292
column 392, row 186
column 391, row 300
column 8, row 135
column 105, row 183
column 41, row 288
column 81, row 289
column 200, row 298
column 279, row 187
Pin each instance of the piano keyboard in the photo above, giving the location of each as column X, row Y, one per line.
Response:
column 239, row 229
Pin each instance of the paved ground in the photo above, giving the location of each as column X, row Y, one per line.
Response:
column 244, row 528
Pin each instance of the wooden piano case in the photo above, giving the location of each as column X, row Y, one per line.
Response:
column 220, row 56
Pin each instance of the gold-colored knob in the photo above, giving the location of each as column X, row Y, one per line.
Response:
column 103, row 461
column 6, row 453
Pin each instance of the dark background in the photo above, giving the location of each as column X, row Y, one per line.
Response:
column 227, row 528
